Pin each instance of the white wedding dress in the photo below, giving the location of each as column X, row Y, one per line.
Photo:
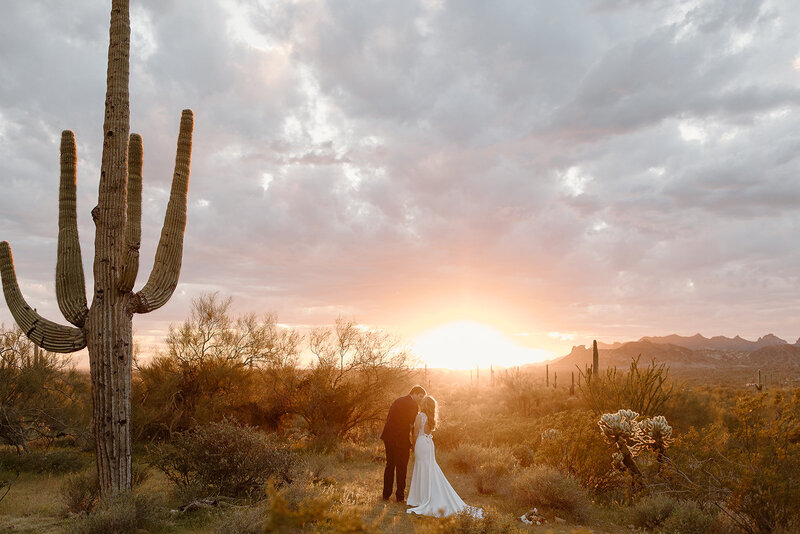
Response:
column 431, row 493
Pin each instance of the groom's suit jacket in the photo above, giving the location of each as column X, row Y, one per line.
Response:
column 399, row 421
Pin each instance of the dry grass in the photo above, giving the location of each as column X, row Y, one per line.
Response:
column 350, row 482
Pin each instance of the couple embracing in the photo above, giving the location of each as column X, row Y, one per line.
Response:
column 415, row 416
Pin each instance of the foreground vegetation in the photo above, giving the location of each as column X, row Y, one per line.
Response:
column 234, row 435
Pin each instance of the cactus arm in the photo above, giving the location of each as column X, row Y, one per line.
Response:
column 133, row 224
column 70, row 283
column 166, row 269
column 46, row 334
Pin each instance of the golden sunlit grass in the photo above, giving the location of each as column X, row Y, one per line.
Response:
column 33, row 503
column 349, row 479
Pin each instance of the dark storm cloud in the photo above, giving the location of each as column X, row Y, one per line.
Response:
column 606, row 167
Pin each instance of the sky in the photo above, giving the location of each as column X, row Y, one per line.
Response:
column 556, row 172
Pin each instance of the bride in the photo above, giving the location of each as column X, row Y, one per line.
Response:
column 431, row 493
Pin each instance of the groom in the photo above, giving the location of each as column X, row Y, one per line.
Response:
column 396, row 439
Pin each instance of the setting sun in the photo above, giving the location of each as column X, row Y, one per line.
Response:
column 465, row 344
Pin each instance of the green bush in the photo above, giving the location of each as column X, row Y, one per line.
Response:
column 56, row 461
column 128, row 513
column 651, row 512
column 224, row 459
column 548, row 488
column 687, row 518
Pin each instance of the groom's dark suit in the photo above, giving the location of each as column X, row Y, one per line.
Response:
column 396, row 439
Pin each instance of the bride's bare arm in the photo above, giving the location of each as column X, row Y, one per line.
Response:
column 417, row 428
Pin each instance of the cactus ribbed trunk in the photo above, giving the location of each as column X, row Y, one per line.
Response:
column 110, row 357
column 109, row 324
column 595, row 358
column 105, row 328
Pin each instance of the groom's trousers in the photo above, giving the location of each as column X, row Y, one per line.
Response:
column 396, row 463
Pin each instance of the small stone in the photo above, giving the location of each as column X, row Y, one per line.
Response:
column 559, row 520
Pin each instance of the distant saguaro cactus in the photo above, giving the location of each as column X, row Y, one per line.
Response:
column 595, row 358
column 106, row 327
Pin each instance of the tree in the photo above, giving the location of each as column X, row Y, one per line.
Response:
column 354, row 375
column 106, row 326
column 41, row 396
column 216, row 365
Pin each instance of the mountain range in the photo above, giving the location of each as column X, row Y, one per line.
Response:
column 682, row 353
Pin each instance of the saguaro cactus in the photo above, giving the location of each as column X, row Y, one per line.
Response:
column 105, row 327
column 595, row 358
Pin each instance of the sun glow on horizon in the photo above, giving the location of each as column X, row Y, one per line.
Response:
column 465, row 344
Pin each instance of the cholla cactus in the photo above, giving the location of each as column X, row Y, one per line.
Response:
column 617, row 461
column 550, row 434
column 631, row 437
column 620, row 426
column 656, row 435
column 622, row 429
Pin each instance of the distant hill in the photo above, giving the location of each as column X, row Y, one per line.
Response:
column 687, row 353
column 699, row 342
column 622, row 355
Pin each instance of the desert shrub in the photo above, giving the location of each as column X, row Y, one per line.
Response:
column 645, row 391
column 240, row 520
column 493, row 464
column 463, row 523
column 42, row 397
column 651, row 512
column 81, row 492
column 314, row 468
column 224, row 458
column 751, row 462
column 311, row 513
column 350, row 451
column 690, row 407
column 467, row 457
column 44, row 461
column 524, row 454
column 139, row 474
column 491, row 475
column 687, row 518
column 482, row 430
column 570, row 441
column 518, row 393
column 548, row 488
column 217, row 365
column 128, row 513
column 353, row 377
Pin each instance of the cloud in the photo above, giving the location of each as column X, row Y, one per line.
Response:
column 614, row 167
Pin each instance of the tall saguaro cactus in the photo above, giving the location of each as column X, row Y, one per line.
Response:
column 105, row 327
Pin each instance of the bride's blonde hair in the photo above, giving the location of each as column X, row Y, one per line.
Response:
column 431, row 409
